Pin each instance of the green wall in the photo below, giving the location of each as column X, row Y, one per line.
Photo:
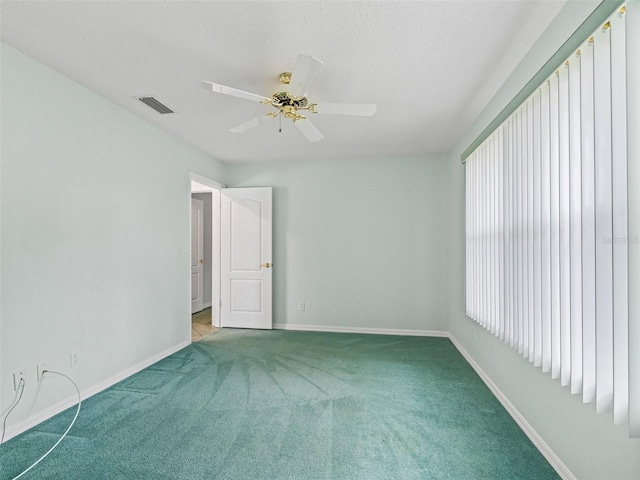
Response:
column 361, row 242
column 94, row 235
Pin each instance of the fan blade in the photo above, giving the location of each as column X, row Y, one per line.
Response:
column 304, row 73
column 308, row 129
column 234, row 92
column 363, row 109
column 253, row 123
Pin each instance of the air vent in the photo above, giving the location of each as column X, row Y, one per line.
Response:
column 155, row 104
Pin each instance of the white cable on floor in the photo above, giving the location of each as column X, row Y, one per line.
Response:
column 14, row 404
column 65, row 433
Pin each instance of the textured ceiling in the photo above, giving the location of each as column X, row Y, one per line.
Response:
column 430, row 66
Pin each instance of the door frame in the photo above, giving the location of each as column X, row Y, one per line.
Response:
column 207, row 185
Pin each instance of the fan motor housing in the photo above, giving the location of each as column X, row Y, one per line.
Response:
column 285, row 99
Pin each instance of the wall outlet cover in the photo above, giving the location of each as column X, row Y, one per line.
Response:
column 17, row 376
column 41, row 367
column 74, row 358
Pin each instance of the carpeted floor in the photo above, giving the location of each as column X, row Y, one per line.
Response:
column 243, row 404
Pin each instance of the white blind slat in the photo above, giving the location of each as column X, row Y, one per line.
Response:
column 520, row 230
column 481, row 210
column 537, row 244
column 633, row 173
column 620, row 228
column 588, row 227
column 505, row 230
column 494, row 240
column 530, row 212
column 508, row 233
column 604, row 221
column 563, row 224
column 545, row 233
column 501, row 227
column 575, row 200
column 524, row 234
column 554, row 180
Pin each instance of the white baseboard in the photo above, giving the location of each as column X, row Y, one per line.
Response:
column 377, row 331
column 62, row 405
column 536, row 439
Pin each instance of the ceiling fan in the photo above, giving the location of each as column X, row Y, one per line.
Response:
column 289, row 103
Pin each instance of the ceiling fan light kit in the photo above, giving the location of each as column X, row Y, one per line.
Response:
column 289, row 102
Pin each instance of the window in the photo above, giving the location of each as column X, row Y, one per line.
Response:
column 551, row 225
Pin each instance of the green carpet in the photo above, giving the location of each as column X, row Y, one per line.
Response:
column 248, row 404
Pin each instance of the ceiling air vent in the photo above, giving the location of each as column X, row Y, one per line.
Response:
column 155, row 104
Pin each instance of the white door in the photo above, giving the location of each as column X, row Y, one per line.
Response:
column 246, row 261
column 197, row 257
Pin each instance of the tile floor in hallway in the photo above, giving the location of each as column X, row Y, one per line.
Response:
column 201, row 324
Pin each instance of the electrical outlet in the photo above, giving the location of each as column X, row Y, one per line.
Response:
column 41, row 367
column 301, row 306
column 74, row 358
column 17, row 376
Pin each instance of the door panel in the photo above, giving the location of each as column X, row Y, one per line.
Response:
column 246, row 295
column 246, row 276
column 246, row 235
column 197, row 257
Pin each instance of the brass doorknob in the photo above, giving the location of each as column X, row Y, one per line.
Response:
column 201, row 260
column 266, row 265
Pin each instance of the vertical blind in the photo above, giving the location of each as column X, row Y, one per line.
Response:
column 547, row 225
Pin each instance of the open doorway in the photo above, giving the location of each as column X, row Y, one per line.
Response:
column 205, row 256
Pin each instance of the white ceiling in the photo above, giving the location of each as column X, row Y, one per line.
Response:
column 430, row 66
